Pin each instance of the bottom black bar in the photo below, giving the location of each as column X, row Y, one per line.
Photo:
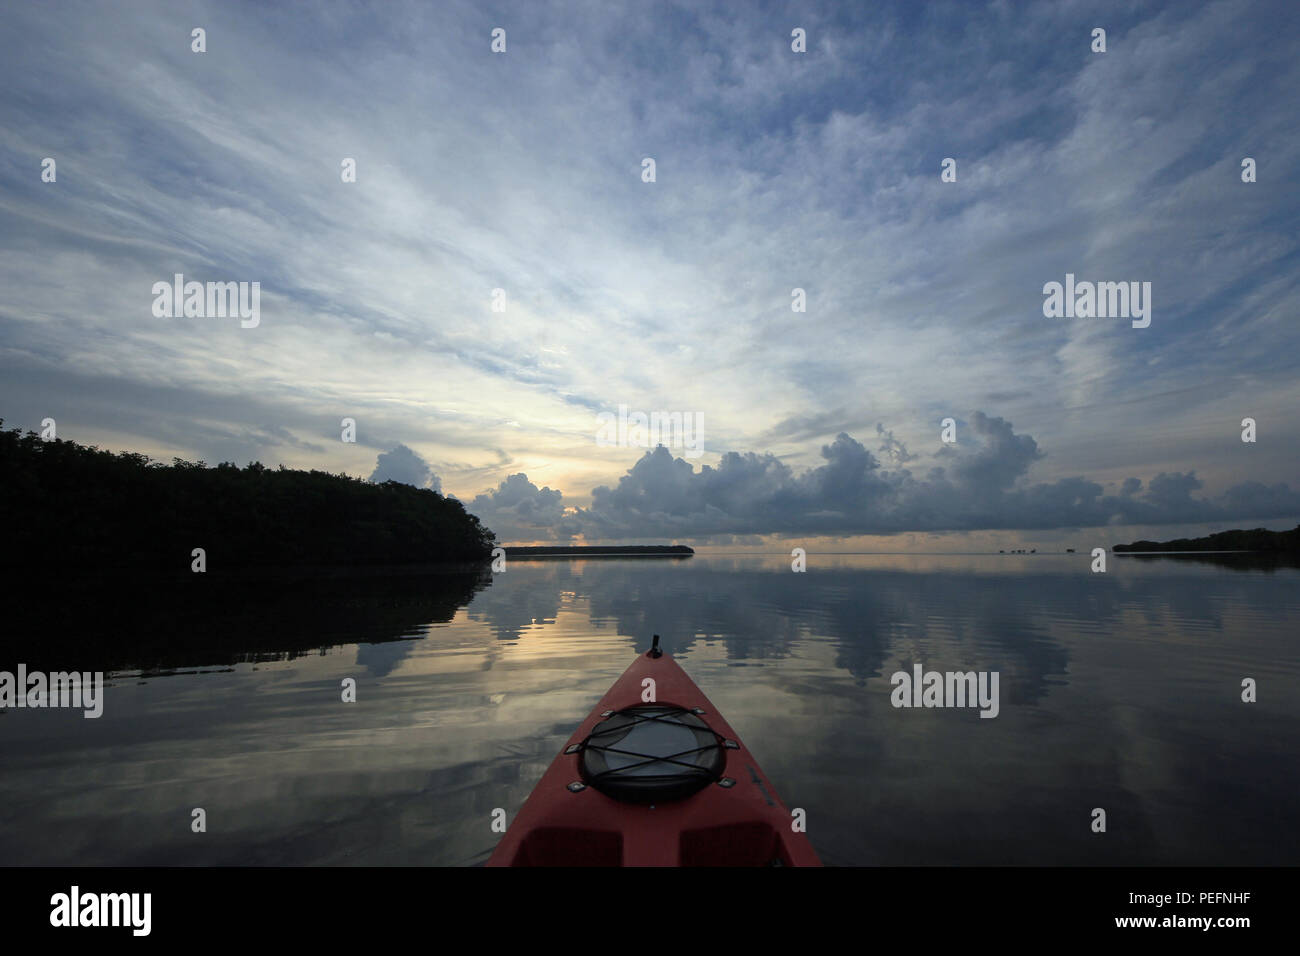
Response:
column 303, row 906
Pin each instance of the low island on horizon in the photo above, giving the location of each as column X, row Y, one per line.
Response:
column 599, row 551
column 1256, row 539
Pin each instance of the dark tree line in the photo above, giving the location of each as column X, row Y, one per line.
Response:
column 598, row 550
column 1256, row 539
column 67, row 505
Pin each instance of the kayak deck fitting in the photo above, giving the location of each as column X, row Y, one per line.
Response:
column 654, row 779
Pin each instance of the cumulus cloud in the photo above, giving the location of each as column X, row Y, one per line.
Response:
column 891, row 448
column 516, row 508
column 982, row 485
column 404, row 465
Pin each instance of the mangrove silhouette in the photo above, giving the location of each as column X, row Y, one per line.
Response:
column 1255, row 540
column 68, row 506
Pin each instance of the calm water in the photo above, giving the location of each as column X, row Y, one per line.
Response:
column 1119, row 691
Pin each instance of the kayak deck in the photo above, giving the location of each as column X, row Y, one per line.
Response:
column 654, row 777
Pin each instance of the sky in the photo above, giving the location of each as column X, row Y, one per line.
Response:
column 501, row 272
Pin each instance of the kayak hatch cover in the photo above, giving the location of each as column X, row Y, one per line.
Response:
column 654, row 779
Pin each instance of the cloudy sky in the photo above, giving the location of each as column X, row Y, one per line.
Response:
column 774, row 170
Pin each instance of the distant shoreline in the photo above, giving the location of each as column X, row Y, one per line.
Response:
column 1186, row 551
column 600, row 551
column 1256, row 540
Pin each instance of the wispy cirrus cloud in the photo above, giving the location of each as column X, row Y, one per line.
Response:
column 521, row 171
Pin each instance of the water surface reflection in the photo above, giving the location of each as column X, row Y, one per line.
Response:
column 1118, row 690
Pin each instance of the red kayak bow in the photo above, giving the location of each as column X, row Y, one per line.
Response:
column 654, row 777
